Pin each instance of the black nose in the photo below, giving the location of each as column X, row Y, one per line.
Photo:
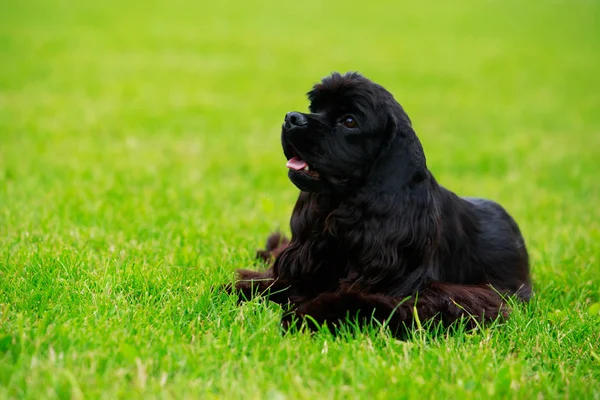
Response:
column 293, row 119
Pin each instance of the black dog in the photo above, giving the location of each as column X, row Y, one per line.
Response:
column 373, row 234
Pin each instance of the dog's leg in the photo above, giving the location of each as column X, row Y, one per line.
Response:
column 440, row 302
column 451, row 302
column 262, row 283
column 276, row 243
column 251, row 284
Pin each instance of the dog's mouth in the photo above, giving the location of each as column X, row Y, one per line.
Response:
column 299, row 165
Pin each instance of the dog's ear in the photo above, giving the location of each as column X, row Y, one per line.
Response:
column 401, row 154
column 390, row 132
column 397, row 124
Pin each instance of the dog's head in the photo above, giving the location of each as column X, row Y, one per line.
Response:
column 352, row 121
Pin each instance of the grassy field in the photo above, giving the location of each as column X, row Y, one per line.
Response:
column 140, row 165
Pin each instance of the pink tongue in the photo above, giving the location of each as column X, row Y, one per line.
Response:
column 296, row 164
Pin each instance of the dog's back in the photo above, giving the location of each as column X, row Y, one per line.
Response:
column 504, row 259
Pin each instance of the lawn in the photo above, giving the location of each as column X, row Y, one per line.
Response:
column 140, row 165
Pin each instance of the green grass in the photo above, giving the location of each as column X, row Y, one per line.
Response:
column 140, row 165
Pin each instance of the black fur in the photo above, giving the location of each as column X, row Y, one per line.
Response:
column 373, row 233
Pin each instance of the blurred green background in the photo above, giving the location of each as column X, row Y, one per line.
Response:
column 140, row 165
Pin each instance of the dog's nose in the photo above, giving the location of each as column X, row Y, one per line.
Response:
column 293, row 119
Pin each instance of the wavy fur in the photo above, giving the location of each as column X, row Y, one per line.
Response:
column 376, row 236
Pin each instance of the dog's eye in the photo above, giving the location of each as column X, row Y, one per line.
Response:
column 349, row 122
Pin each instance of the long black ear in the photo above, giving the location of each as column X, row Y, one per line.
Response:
column 397, row 124
column 390, row 132
column 401, row 154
